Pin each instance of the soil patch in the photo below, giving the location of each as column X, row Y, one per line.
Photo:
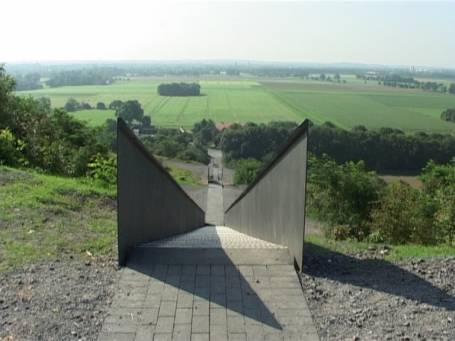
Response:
column 63, row 300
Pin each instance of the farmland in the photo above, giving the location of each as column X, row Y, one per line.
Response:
column 243, row 99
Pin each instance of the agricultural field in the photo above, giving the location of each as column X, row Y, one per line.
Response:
column 94, row 117
column 244, row 99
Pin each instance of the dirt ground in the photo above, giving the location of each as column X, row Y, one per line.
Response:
column 62, row 300
column 363, row 297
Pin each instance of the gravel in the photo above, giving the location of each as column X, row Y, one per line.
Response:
column 62, row 300
column 363, row 297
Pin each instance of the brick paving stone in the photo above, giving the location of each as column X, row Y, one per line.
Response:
column 106, row 336
column 182, row 332
column 236, row 324
column 220, row 302
column 218, row 317
column 162, row 337
column 183, row 315
column 200, row 324
column 203, row 270
column 254, row 329
column 201, row 307
column 164, row 325
column 184, row 299
column 200, row 337
column 132, row 315
column 167, row 308
column 144, row 333
column 218, row 332
column 237, row 336
column 122, row 327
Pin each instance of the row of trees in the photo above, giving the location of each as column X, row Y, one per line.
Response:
column 408, row 82
column 179, row 89
column 89, row 76
column 386, row 150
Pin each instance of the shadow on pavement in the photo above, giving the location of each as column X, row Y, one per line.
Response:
column 221, row 284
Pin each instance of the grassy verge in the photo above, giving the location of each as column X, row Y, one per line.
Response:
column 46, row 217
column 183, row 176
column 396, row 253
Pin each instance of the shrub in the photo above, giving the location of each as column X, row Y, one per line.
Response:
column 10, row 149
column 404, row 215
column 445, row 215
column 341, row 232
column 439, row 184
column 104, row 169
column 342, row 194
column 246, row 171
column 194, row 153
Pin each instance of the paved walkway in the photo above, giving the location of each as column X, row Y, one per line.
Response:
column 213, row 283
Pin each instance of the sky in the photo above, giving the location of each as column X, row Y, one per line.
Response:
column 391, row 33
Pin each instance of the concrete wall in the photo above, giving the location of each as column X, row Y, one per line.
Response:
column 272, row 208
column 151, row 205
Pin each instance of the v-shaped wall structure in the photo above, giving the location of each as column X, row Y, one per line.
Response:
column 152, row 206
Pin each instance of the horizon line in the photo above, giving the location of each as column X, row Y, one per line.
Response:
column 343, row 64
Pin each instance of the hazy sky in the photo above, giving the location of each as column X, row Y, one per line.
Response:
column 384, row 33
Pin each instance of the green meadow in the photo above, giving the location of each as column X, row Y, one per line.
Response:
column 262, row 100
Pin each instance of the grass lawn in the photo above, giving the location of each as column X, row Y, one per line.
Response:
column 263, row 100
column 183, row 176
column 47, row 217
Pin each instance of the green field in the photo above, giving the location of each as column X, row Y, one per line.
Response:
column 263, row 100
column 94, row 117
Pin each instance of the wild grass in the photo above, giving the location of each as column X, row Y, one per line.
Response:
column 46, row 217
column 396, row 253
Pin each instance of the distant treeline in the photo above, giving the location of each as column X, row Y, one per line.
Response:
column 29, row 81
column 386, row 150
column 259, row 69
column 89, row 76
column 408, row 82
column 179, row 89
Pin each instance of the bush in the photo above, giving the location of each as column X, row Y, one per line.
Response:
column 10, row 149
column 341, row 232
column 194, row 153
column 404, row 215
column 246, row 171
column 103, row 169
column 439, row 183
column 342, row 194
column 445, row 215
